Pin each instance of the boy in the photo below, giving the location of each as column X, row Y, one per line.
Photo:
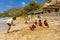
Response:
column 10, row 23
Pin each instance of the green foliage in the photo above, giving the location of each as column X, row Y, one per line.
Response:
column 31, row 7
column 4, row 15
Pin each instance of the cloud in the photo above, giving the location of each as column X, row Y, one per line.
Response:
column 23, row 4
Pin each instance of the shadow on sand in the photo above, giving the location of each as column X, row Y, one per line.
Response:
column 14, row 31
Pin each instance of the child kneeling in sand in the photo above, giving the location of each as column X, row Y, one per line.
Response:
column 46, row 24
column 35, row 22
column 9, row 23
column 32, row 26
column 40, row 23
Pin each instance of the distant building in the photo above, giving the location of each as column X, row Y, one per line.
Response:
column 53, row 6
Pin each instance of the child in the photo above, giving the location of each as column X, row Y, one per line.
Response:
column 32, row 26
column 35, row 22
column 40, row 23
column 10, row 23
column 26, row 21
column 28, row 18
column 46, row 23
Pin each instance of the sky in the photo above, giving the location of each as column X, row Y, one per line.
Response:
column 8, row 4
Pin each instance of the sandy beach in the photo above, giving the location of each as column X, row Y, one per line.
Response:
column 21, row 31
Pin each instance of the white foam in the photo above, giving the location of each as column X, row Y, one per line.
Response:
column 3, row 20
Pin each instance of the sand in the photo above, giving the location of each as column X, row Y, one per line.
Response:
column 21, row 31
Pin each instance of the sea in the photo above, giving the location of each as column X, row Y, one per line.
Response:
column 3, row 24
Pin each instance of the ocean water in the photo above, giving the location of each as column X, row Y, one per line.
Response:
column 3, row 24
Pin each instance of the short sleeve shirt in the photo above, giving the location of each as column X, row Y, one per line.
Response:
column 9, row 21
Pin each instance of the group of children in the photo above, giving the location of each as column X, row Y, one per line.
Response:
column 45, row 24
column 32, row 26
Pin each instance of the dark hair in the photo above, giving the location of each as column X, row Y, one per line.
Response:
column 39, row 20
column 45, row 20
column 14, row 18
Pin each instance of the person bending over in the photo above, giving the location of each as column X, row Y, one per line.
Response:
column 10, row 23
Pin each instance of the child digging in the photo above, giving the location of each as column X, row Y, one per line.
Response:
column 35, row 22
column 32, row 26
column 10, row 23
column 40, row 23
column 46, row 24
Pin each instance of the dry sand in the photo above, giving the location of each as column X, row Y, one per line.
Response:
column 21, row 32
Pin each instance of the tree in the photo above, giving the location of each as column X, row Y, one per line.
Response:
column 31, row 7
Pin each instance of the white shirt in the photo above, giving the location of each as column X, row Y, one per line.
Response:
column 9, row 21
